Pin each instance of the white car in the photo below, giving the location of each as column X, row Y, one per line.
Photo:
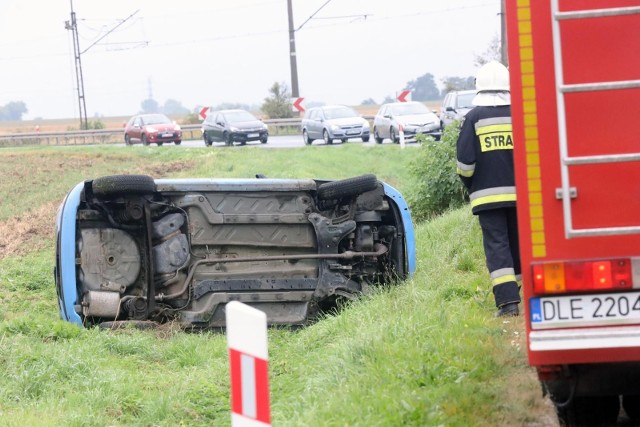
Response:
column 412, row 117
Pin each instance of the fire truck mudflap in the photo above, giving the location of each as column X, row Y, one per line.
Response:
column 575, row 87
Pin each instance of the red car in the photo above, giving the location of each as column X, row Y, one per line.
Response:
column 152, row 128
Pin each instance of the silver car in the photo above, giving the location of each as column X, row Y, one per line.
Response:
column 333, row 122
column 455, row 106
column 412, row 118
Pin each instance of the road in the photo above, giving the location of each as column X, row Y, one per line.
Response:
column 281, row 141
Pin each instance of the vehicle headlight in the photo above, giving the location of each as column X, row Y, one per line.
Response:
column 335, row 127
column 365, row 125
column 234, row 129
column 151, row 129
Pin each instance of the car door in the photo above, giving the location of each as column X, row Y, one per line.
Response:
column 217, row 127
column 384, row 122
column 136, row 129
column 315, row 128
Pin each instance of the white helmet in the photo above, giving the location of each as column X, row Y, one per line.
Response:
column 492, row 84
column 492, row 76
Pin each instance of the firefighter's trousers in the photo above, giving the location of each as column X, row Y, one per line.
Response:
column 500, row 240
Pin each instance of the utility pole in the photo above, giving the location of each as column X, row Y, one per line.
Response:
column 292, row 53
column 503, row 35
column 72, row 25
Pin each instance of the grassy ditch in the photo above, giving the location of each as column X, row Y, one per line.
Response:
column 427, row 352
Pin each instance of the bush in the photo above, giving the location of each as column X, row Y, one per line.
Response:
column 436, row 186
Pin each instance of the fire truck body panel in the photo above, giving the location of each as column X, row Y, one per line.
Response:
column 575, row 87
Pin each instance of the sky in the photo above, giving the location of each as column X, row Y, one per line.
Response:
column 209, row 52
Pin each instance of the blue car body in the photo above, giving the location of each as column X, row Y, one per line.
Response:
column 131, row 249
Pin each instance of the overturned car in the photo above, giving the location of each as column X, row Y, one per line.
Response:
column 134, row 250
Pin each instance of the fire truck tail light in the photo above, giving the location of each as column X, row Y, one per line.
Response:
column 558, row 277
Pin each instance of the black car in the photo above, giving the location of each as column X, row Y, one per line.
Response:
column 231, row 126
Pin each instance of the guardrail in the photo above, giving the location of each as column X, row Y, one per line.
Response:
column 116, row 136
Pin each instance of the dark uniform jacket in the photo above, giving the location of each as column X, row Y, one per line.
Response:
column 485, row 158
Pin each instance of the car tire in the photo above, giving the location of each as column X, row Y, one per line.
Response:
column 305, row 137
column 178, row 142
column 115, row 185
column 227, row 139
column 347, row 187
column 344, row 140
column 207, row 141
column 392, row 134
column 377, row 137
column 127, row 139
column 160, row 144
column 144, row 139
column 589, row 411
column 365, row 139
column 327, row 139
column 264, row 140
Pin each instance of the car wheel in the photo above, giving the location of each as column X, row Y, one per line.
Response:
column 344, row 140
column 365, row 139
column 127, row 139
column 347, row 187
column 392, row 135
column 207, row 141
column 178, row 142
column 227, row 139
column 377, row 137
column 590, row 411
column 144, row 139
column 160, row 144
column 264, row 140
column 115, row 185
column 325, row 136
column 305, row 137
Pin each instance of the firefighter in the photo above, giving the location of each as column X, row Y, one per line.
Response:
column 485, row 166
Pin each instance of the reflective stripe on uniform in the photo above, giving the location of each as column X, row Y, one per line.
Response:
column 495, row 133
column 465, row 170
column 503, row 275
column 492, row 195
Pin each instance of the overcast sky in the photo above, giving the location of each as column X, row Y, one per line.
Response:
column 209, row 52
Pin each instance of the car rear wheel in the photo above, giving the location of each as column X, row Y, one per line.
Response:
column 144, row 139
column 325, row 136
column 347, row 187
column 207, row 141
column 227, row 139
column 127, row 140
column 115, row 185
column 377, row 136
column 305, row 137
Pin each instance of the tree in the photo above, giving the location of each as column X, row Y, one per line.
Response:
column 13, row 110
column 423, row 88
column 368, row 101
column 492, row 53
column 150, row 106
column 278, row 105
column 457, row 83
column 171, row 106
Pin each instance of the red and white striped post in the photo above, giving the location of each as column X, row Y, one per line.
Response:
column 248, row 355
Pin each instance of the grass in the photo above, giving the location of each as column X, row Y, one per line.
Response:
column 427, row 352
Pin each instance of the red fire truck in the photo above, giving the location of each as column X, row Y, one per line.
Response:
column 575, row 87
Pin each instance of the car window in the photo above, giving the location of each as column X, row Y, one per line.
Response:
column 154, row 119
column 136, row 122
column 408, row 109
column 464, row 100
column 339, row 113
column 447, row 101
column 383, row 110
column 239, row 116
